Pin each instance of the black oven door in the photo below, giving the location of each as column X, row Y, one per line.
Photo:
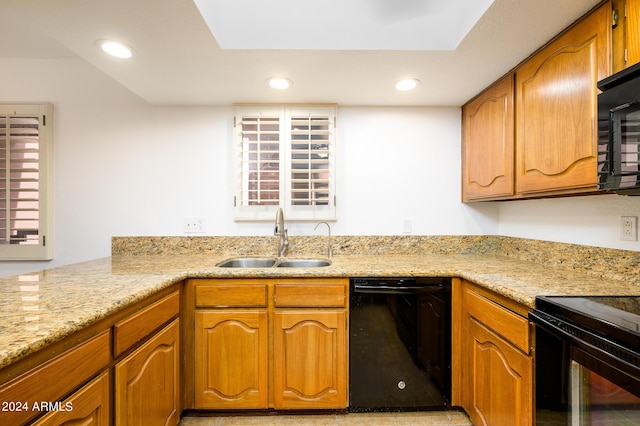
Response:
column 601, row 393
column 579, row 384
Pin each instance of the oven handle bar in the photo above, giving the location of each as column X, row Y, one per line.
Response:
column 553, row 325
column 386, row 289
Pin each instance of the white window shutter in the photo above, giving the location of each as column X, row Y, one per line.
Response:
column 284, row 156
column 311, row 153
column 26, row 179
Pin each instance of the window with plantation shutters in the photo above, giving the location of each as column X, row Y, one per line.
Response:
column 285, row 157
column 310, row 160
column 25, row 182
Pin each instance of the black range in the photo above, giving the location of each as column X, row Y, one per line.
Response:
column 587, row 359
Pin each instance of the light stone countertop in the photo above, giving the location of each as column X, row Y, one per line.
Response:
column 41, row 308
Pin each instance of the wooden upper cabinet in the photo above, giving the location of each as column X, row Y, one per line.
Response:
column 556, row 109
column 626, row 33
column 632, row 33
column 487, row 143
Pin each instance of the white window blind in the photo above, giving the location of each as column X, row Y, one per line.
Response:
column 25, row 182
column 285, row 157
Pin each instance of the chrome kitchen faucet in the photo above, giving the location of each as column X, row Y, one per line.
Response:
column 281, row 232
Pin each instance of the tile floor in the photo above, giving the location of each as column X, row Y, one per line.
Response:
column 430, row 418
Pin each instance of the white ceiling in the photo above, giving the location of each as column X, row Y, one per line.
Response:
column 178, row 61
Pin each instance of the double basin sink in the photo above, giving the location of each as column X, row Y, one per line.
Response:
column 271, row 262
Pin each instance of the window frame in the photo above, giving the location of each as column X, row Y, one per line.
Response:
column 43, row 250
column 316, row 209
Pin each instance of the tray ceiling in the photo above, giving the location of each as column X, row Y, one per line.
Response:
column 178, row 60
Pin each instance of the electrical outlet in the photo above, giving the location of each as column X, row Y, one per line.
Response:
column 193, row 225
column 407, row 226
column 629, row 228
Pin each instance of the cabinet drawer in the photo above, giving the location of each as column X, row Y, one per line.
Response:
column 307, row 293
column 224, row 294
column 135, row 328
column 511, row 326
column 57, row 377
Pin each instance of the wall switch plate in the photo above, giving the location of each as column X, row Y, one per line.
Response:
column 629, row 228
column 194, row 225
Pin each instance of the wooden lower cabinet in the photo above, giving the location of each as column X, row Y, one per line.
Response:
column 89, row 406
column 492, row 363
column 147, row 382
column 53, row 380
column 231, row 359
column 124, row 370
column 501, row 380
column 310, row 359
column 269, row 344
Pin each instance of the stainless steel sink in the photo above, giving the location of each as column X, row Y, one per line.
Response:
column 303, row 263
column 248, row 262
column 270, row 262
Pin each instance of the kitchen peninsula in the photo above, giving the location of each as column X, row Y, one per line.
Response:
column 62, row 309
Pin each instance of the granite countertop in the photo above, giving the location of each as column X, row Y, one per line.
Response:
column 41, row 308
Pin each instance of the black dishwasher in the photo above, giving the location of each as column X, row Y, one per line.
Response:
column 399, row 344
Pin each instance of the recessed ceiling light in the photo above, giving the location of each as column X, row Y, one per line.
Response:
column 115, row 48
column 408, row 84
column 279, row 83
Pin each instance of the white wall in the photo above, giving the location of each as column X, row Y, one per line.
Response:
column 588, row 220
column 123, row 167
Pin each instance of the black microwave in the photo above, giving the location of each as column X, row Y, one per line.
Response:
column 619, row 132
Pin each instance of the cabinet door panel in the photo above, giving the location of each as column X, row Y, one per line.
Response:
column 488, row 140
column 310, row 359
column 556, row 126
column 231, row 359
column 147, row 381
column 87, row 407
column 501, row 380
column 633, row 32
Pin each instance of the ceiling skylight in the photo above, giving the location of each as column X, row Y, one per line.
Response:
column 340, row 24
